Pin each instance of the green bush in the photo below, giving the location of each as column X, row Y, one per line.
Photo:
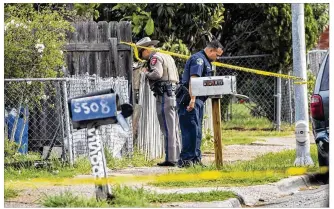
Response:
column 33, row 41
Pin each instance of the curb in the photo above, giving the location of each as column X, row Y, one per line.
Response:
column 294, row 183
column 230, row 203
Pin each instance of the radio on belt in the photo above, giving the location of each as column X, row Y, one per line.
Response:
column 213, row 86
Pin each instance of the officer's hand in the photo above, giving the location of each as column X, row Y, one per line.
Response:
column 191, row 106
column 144, row 69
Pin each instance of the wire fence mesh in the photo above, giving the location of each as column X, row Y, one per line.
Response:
column 36, row 110
column 36, row 117
column 314, row 59
column 118, row 142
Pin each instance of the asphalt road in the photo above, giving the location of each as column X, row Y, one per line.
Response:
column 310, row 198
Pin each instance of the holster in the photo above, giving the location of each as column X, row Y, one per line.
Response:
column 182, row 95
column 157, row 89
column 160, row 88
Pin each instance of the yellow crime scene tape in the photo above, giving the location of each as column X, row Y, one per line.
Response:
column 171, row 177
column 219, row 64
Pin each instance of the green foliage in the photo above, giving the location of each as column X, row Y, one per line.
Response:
column 57, row 169
column 193, row 197
column 10, row 193
column 141, row 20
column 175, row 45
column 244, row 128
column 267, row 29
column 33, row 41
column 136, row 160
column 310, row 84
column 87, row 11
column 10, row 148
column 207, row 140
column 321, row 15
column 11, row 154
column 277, row 162
column 161, row 21
column 67, row 199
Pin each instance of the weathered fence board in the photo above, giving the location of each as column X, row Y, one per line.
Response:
column 90, row 49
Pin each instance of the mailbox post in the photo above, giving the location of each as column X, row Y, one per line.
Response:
column 91, row 111
column 215, row 87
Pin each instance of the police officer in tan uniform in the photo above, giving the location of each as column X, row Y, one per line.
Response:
column 163, row 76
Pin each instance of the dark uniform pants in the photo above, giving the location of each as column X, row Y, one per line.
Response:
column 168, row 120
column 191, row 130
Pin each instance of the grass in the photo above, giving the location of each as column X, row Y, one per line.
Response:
column 245, row 129
column 81, row 166
column 128, row 197
column 230, row 137
column 10, row 193
column 257, row 171
column 56, row 170
column 242, row 118
column 137, row 160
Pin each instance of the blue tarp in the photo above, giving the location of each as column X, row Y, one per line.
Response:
column 10, row 121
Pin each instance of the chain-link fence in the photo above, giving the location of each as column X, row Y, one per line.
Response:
column 34, row 116
column 260, row 97
column 314, row 59
column 259, row 93
column 37, row 119
column 118, row 141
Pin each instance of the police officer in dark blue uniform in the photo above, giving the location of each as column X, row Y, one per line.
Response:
column 191, row 110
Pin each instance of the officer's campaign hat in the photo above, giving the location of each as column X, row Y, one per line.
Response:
column 146, row 41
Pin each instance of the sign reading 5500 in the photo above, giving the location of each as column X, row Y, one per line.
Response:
column 95, row 107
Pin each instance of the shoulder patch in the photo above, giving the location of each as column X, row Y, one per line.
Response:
column 153, row 60
column 199, row 61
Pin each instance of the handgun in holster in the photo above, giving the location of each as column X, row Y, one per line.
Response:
column 169, row 89
column 157, row 89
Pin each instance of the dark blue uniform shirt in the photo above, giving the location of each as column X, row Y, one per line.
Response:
column 198, row 64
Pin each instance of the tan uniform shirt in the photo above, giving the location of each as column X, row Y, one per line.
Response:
column 162, row 68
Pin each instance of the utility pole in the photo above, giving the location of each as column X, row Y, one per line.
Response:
column 303, row 157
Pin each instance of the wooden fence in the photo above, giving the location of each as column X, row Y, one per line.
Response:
column 94, row 48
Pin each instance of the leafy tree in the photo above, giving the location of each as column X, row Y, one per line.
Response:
column 266, row 29
column 321, row 14
column 243, row 29
column 176, row 45
column 191, row 23
column 87, row 11
column 33, row 41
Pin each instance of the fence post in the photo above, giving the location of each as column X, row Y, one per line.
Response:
column 67, row 124
column 217, row 131
column 290, row 99
column 279, row 103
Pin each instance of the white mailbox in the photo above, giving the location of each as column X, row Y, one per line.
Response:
column 301, row 131
column 213, row 86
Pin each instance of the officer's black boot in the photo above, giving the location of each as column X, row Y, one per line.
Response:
column 167, row 163
column 184, row 163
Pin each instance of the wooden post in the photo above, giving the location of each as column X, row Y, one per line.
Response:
column 113, row 54
column 216, row 118
column 217, row 132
